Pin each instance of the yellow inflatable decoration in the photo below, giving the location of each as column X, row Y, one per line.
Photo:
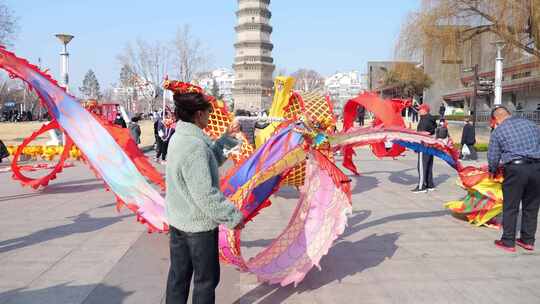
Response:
column 47, row 153
column 283, row 87
column 313, row 107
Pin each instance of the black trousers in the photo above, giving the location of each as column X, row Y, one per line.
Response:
column 425, row 171
column 3, row 151
column 474, row 155
column 521, row 184
column 162, row 147
column 193, row 254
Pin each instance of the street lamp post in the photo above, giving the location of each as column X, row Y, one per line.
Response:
column 64, row 55
column 475, row 92
column 474, row 69
column 64, row 80
column 498, row 73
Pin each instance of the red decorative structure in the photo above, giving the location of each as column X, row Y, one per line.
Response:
column 387, row 114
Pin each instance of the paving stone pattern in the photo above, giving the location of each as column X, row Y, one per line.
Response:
column 67, row 244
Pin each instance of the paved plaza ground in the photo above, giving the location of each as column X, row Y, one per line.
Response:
column 67, row 244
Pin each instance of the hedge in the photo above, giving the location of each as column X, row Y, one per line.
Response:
column 454, row 117
column 480, row 147
column 458, row 117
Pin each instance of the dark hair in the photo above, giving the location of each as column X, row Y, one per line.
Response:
column 186, row 105
column 241, row 112
column 499, row 107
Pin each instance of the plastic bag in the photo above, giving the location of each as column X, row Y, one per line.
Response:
column 465, row 150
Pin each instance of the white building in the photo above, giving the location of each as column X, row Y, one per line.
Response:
column 224, row 79
column 344, row 86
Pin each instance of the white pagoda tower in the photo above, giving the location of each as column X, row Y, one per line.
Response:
column 253, row 64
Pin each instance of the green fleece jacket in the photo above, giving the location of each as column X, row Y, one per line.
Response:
column 194, row 201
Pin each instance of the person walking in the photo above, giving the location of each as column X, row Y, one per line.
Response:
column 166, row 131
column 515, row 142
column 195, row 204
column 414, row 110
column 468, row 140
column 442, row 110
column 156, row 120
column 135, row 130
column 361, row 115
column 159, row 128
column 425, row 161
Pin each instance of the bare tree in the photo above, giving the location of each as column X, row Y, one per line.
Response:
column 8, row 24
column 188, row 55
column 149, row 63
column 453, row 22
column 108, row 94
column 15, row 90
column 279, row 71
column 308, row 80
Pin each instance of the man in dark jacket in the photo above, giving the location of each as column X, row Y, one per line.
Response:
column 468, row 139
column 120, row 121
column 515, row 144
column 3, row 151
column 135, row 130
column 361, row 115
column 427, row 124
column 442, row 110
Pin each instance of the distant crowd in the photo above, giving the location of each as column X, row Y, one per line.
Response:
column 18, row 116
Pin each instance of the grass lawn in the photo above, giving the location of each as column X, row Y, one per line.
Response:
column 15, row 133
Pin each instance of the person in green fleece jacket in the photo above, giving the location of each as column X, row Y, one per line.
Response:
column 195, row 204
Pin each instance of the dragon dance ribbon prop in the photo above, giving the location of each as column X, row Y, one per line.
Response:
column 484, row 196
column 261, row 173
column 312, row 107
column 319, row 217
column 387, row 114
column 416, row 141
column 104, row 155
column 484, row 199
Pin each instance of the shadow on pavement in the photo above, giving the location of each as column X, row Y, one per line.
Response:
column 18, row 196
column 64, row 187
column 355, row 222
column 404, row 178
column 341, row 261
column 77, row 182
column 64, row 293
column 73, row 188
column 364, row 183
column 337, row 265
column 82, row 223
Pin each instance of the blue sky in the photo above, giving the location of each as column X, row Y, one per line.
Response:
column 326, row 36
